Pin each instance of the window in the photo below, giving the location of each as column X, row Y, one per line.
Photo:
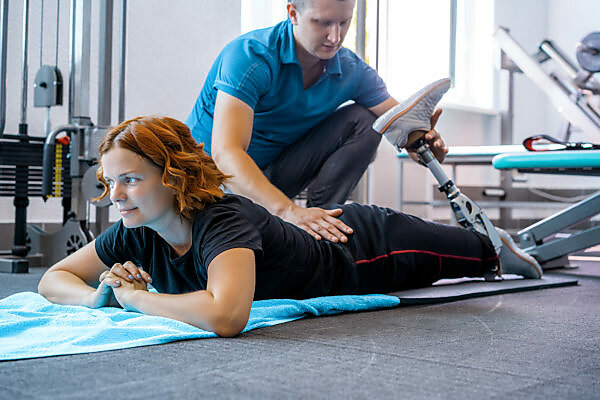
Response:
column 415, row 48
column 475, row 54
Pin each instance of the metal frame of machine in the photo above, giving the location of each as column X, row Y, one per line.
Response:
column 569, row 88
column 80, row 186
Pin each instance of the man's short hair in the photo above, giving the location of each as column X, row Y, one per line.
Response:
column 300, row 4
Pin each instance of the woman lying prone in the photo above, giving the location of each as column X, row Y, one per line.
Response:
column 210, row 254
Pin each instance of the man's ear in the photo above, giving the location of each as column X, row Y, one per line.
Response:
column 292, row 13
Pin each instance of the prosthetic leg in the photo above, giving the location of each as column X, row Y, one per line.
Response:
column 468, row 214
column 405, row 126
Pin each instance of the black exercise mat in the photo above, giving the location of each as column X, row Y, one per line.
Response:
column 447, row 290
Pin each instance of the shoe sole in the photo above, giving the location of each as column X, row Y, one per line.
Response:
column 410, row 107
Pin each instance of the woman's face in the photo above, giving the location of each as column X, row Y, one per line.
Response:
column 136, row 189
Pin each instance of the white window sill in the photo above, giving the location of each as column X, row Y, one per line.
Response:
column 470, row 109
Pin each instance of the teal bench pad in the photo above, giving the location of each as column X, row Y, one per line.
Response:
column 548, row 160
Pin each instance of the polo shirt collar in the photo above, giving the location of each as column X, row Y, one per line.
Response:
column 287, row 52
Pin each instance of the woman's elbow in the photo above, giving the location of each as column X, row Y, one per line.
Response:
column 42, row 286
column 45, row 287
column 229, row 326
column 227, row 331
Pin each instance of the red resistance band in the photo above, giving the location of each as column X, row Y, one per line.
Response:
column 530, row 144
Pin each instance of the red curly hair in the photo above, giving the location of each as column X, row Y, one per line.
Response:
column 168, row 144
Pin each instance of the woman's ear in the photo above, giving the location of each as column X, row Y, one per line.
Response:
column 172, row 186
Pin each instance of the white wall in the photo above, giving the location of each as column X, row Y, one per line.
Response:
column 170, row 48
column 257, row 14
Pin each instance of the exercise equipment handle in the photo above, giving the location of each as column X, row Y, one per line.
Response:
column 48, row 158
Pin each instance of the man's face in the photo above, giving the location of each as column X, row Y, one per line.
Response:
column 321, row 26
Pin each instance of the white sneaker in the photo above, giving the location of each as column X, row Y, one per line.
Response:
column 414, row 114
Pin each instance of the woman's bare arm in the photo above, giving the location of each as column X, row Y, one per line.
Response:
column 74, row 279
column 223, row 308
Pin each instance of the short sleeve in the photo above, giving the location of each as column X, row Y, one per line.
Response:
column 371, row 89
column 244, row 72
column 118, row 244
column 226, row 229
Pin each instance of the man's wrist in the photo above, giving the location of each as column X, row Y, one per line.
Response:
column 283, row 210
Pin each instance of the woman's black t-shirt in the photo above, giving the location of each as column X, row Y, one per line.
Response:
column 289, row 262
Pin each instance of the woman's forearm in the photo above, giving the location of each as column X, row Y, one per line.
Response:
column 63, row 287
column 197, row 308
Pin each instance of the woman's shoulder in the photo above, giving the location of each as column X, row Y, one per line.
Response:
column 229, row 202
column 223, row 225
column 231, row 210
column 226, row 208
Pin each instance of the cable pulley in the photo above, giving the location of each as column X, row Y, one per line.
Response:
column 588, row 52
column 48, row 83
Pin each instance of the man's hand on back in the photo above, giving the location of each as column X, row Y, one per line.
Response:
column 319, row 223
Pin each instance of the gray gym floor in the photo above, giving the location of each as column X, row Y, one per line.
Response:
column 531, row 345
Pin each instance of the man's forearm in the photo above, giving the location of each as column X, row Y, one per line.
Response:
column 248, row 180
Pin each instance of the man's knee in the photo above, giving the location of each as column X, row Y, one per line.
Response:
column 362, row 120
column 364, row 132
column 358, row 113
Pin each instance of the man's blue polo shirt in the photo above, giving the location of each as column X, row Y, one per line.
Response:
column 261, row 69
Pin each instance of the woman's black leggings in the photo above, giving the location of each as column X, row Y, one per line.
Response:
column 394, row 251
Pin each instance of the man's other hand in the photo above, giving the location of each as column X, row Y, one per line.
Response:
column 436, row 143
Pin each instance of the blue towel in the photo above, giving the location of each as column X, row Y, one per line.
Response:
column 31, row 326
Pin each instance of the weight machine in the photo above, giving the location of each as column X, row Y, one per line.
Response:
column 572, row 88
column 63, row 163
